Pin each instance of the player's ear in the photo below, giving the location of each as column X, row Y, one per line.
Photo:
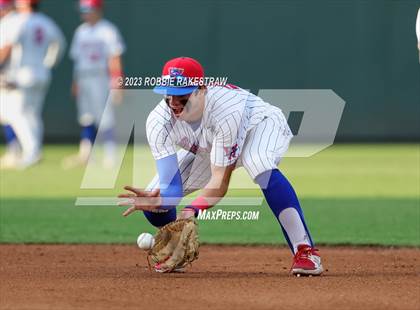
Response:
column 202, row 89
column 196, row 92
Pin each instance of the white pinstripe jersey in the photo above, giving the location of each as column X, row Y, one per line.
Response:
column 229, row 113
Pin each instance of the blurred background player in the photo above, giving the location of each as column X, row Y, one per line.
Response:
column 10, row 157
column 96, row 50
column 418, row 31
column 32, row 44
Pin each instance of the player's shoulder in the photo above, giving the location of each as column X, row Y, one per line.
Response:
column 44, row 19
column 105, row 30
column 7, row 26
column 39, row 17
column 106, row 23
column 14, row 19
column 223, row 100
column 15, row 16
column 160, row 115
column 13, row 24
column 7, row 19
column 215, row 92
column 159, row 123
column 106, row 26
column 83, row 27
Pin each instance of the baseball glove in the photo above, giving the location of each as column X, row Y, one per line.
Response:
column 176, row 245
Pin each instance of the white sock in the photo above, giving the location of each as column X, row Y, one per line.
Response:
column 110, row 149
column 292, row 224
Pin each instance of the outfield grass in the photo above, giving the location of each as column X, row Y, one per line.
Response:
column 351, row 194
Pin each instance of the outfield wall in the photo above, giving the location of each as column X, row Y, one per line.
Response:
column 363, row 50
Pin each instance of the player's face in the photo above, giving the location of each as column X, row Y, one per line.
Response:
column 188, row 107
column 177, row 103
column 91, row 17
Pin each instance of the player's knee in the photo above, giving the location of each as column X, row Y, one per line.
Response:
column 256, row 165
column 159, row 219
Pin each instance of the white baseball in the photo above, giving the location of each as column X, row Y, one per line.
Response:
column 145, row 241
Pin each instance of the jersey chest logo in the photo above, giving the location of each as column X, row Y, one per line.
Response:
column 39, row 35
column 231, row 152
column 175, row 71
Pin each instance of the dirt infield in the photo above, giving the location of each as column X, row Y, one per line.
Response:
column 225, row 277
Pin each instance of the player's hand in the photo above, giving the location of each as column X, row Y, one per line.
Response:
column 138, row 199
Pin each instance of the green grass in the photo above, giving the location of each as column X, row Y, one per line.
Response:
column 337, row 221
column 351, row 194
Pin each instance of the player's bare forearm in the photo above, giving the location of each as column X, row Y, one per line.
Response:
column 213, row 192
column 115, row 69
column 218, row 185
column 5, row 53
column 74, row 89
column 115, row 65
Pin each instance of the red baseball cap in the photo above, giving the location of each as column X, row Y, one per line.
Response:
column 4, row 3
column 177, row 72
column 87, row 6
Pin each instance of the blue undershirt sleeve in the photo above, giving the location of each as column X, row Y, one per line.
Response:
column 170, row 181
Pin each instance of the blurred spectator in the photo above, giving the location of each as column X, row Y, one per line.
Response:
column 32, row 44
column 96, row 50
column 418, row 31
column 10, row 157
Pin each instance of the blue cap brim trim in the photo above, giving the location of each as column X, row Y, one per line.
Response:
column 174, row 91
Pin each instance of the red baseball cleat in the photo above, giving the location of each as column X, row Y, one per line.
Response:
column 306, row 262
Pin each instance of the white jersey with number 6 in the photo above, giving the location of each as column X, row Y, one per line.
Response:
column 93, row 45
column 91, row 50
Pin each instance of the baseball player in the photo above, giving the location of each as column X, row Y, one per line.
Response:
column 218, row 128
column 32, row 44
column 96, row 50
column 10, row 158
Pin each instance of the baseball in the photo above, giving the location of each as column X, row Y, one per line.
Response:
column 145, row 241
